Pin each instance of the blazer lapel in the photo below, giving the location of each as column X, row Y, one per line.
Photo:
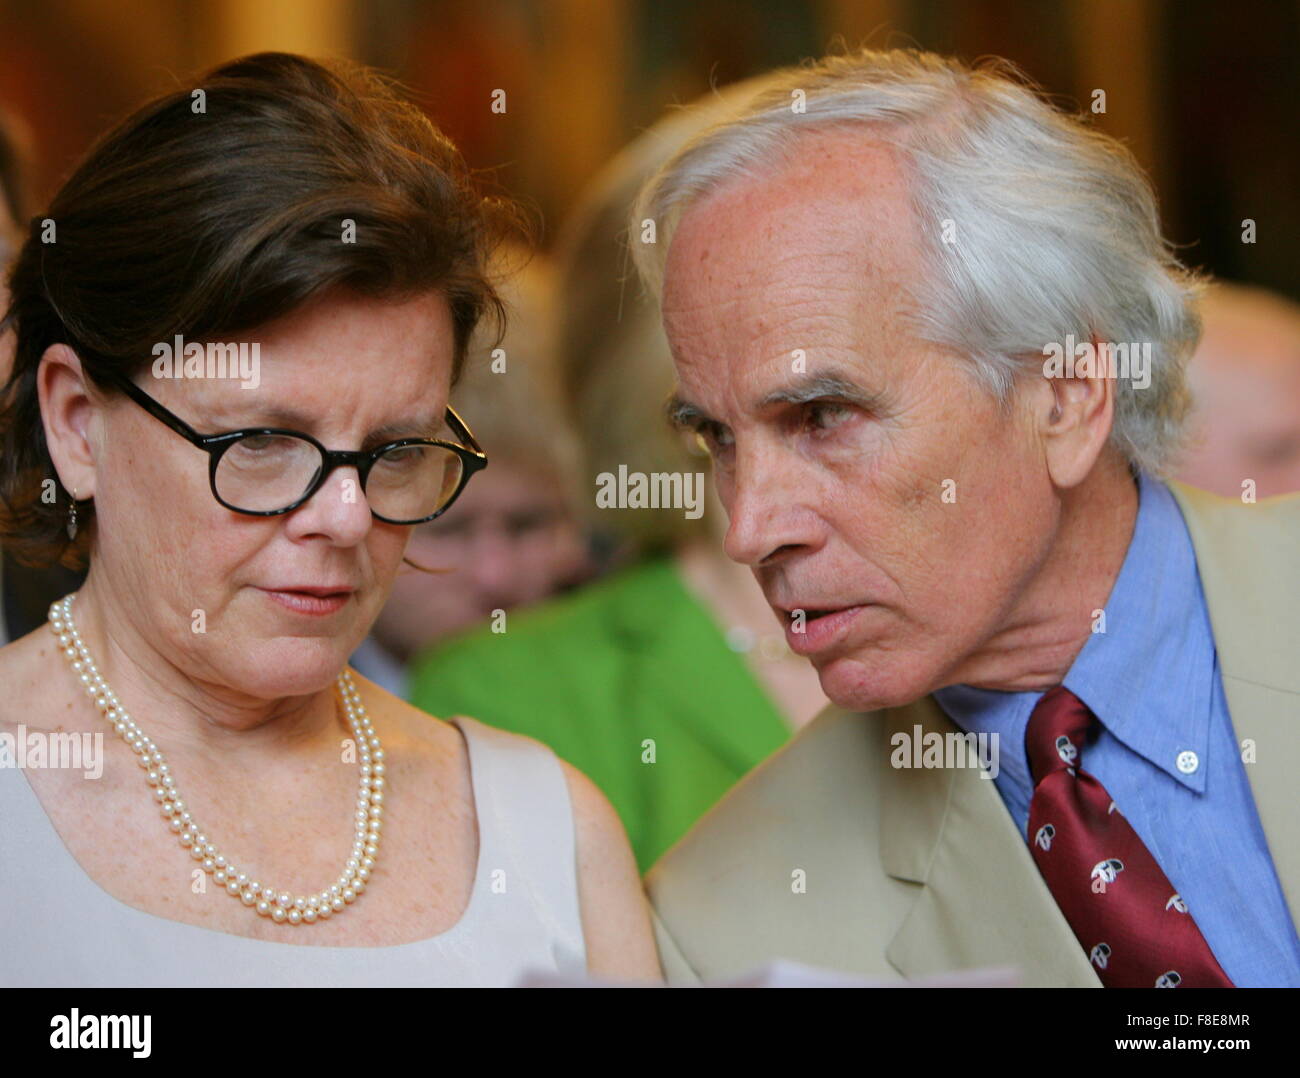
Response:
column 982, row 902
column 1249, row 561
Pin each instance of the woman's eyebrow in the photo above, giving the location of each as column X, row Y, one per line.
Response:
column 421, row 427
column 292, row 419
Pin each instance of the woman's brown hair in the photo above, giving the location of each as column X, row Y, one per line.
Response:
column 218, row 208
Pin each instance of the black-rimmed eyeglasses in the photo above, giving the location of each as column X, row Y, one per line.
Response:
column 267, row 471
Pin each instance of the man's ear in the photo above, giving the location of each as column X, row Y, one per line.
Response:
column 68, row 414
column 1073, row 413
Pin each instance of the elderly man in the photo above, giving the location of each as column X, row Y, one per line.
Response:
column 929, row 331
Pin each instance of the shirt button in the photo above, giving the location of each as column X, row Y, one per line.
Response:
column 1188, row 762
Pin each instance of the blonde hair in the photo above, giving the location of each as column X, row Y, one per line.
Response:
column 510, row 393
column 617, row 368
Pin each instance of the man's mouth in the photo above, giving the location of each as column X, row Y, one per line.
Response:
column 813, row 629
column 812, row 615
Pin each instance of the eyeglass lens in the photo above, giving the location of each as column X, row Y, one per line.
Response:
column 265, row 473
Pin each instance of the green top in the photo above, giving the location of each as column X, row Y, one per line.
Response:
column 597, row 674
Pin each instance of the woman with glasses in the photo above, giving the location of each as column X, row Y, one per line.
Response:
column 195, row 788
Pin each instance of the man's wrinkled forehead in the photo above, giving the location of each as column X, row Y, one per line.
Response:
column 813, row 255
column 834, row 191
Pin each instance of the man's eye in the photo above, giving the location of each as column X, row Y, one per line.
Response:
column 824, row 415
column 713, row 438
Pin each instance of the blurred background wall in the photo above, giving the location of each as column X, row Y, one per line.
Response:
column 1204, row 92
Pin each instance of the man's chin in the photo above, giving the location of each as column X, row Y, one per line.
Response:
column 857, row 683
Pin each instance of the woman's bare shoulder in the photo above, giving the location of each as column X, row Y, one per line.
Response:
column 37, row 686
column 615, row 911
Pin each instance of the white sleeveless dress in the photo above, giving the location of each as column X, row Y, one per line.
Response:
column 59, row 928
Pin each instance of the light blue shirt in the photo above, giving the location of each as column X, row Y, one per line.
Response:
column 1152, row 679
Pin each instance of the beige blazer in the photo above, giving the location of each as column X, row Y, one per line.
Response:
column 909, row 872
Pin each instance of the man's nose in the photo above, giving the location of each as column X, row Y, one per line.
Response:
column 761, row 522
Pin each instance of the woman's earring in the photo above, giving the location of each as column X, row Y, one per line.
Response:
column 72, row 516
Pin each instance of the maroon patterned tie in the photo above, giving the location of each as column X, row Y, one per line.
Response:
column 1133, row 926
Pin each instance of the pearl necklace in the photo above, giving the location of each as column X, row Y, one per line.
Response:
column 279, row 906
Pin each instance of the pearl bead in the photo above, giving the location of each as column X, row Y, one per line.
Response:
column 262, row 898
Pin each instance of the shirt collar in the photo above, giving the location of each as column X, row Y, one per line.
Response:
column 1149, row 677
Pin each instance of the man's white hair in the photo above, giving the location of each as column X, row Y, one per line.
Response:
column 1052, row 227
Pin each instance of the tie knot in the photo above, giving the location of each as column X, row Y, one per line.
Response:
column 1056, row 732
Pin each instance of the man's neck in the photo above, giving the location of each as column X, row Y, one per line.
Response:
column 1058, row 612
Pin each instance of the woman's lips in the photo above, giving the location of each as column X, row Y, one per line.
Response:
column 308, row 603
column 813, row 633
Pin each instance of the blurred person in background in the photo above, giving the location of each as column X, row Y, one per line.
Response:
column 668, row 680
column 25, row 591
column 1245, row 379
column 517, row 536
